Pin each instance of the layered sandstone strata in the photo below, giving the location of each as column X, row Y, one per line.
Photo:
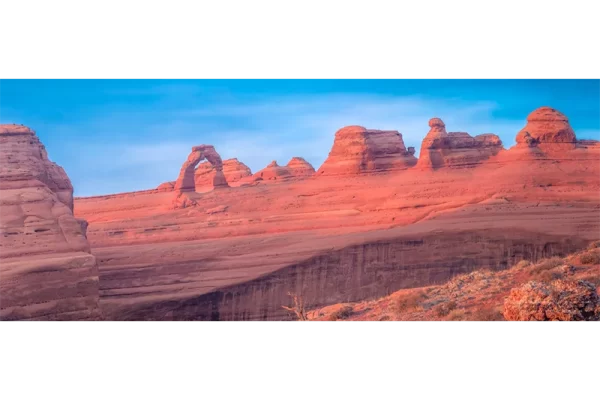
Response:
column 300, row 168
column 46, row 269
column 455, row 149
column 357, row 150
column 546, row 127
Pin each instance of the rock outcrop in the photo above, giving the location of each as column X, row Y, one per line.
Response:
column 546, row 127
column 358, row 150
column 560, row 300
column 455, row 149
column 299, row 167
column 46, row 269
column 233, row 169
column 186, row 182
column 273, row 171
column 166, row 187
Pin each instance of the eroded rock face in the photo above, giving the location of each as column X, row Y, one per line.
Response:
column 185, row 185
column 233, row 169
column 186, row 182
column 561, row 300
column 299, row 167
column 357, row 150
column 46, row 271
column 273, row 171
column 546, row 126
column 455, row 149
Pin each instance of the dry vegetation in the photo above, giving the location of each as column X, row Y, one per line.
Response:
column 481, row 294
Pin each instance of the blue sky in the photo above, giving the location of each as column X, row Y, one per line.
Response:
column 123, row 135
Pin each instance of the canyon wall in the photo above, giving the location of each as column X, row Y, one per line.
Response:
column 46, row 269
column 359, row 272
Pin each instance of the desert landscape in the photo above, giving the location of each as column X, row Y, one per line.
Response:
column 466, row 229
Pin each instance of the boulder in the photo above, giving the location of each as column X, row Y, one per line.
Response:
column 166, row 187
column 546, row 126
column 560, row 300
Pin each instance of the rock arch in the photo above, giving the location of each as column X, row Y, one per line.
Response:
column 186, row 183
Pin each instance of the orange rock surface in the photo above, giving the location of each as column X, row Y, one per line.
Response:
column 357, row 150
column 371, row 221
column 46, row 269
column 366, row 224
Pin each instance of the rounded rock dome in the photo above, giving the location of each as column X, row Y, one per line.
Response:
column 436, row 122
column 546, row 114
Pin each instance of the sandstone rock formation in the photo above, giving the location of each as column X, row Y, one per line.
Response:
column 46, row 270
column 358, row 236
column 186, row 182
column 233, row 169
column 455, row 149
column 561, row 300
column 546, row 126
column 166, row 187
column 357, row 150
column 273, row 171
column 299, row 167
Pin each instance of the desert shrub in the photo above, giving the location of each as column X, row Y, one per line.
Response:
column 548, row 276
column 456, row 315
column 384, row 317
column 595, row 280
column 487, row 314
column 342, row 313
column 546, row 264
column 332, row 317
column 591, row 257
column 594, row 245
column 522, row 264
column 408, row 301
column 443, row 309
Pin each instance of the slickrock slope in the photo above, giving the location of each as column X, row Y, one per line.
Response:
column 349, row 237
column 46, row 270
column 455, row 149
column 358, row 150
column 233, row 170
column 299, row 167
column 272, row 172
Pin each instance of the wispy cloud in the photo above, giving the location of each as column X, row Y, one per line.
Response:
column 140, row 151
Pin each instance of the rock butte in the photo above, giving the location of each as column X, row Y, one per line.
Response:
column 369, row 222
column 46, row 269
column 357, row 150
column 455, row 149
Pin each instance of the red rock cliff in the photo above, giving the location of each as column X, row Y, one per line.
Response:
column 46, row 270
